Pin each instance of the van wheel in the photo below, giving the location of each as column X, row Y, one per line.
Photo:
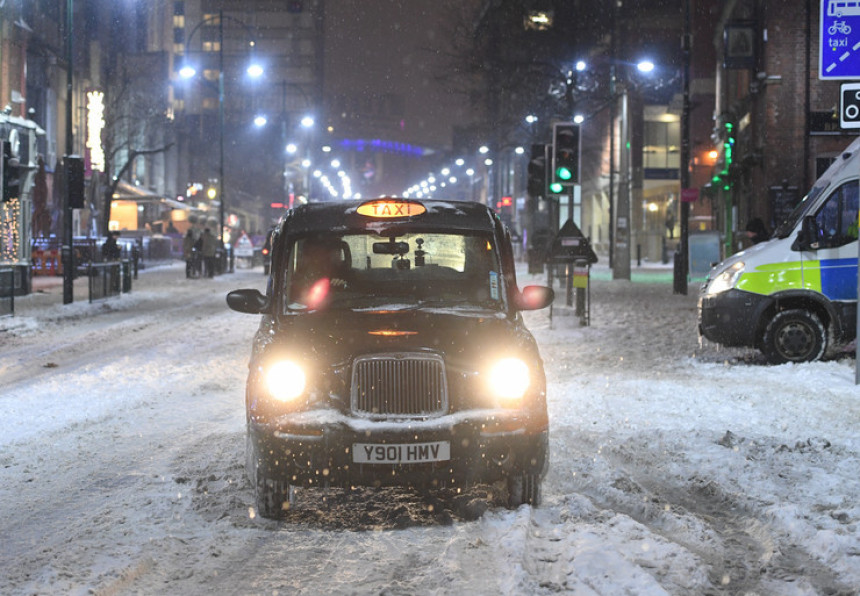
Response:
column 795, row 335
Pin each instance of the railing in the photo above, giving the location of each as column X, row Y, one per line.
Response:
column 109, row 279
column 7, row 292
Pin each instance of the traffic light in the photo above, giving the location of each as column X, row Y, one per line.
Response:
column 537, row 171
column 505, row 209
column 565, row 156
column 11, row 174
column 724, row 176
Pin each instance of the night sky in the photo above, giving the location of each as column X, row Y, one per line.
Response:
column 378, row 47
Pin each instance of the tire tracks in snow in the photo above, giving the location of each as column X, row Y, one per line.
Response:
column 731, row 534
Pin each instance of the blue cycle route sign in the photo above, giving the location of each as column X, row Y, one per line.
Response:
column 839, row 53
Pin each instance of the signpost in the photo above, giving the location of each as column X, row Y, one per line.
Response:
column 839, row 50
column 849, row 105
column 839, row 58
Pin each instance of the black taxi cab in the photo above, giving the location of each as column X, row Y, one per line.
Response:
column 392, row 352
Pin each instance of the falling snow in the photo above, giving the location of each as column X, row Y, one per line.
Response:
column 676, row 468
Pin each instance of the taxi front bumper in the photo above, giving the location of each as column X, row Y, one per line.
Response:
column 478, row 451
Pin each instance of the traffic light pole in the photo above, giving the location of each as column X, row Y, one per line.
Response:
column 67, row 254
column 681, row 269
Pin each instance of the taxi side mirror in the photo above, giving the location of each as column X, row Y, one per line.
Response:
column 534, row 297
column 248, row 301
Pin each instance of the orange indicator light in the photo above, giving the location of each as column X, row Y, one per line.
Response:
column 391, row 333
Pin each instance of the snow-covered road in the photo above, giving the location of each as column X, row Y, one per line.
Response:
column 675, row 468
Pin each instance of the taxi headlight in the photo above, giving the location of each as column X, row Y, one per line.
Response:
column 509, row 379
column 285, row 380
column 726, row 280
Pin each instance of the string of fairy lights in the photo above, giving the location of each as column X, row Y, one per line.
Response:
column 10, row 235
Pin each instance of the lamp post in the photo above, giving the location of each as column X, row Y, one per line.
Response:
column 296, row 162
column 679, row 285
column 308, row 125
column 67, row 253
column 620, row 206
column 620, row 217
column 187, row 71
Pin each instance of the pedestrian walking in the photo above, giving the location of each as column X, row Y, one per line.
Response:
column 189, row 253
column 110, row 249
column 208, row 250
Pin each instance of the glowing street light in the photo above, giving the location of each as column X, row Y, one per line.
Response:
column 645, row 66
column 188, row 71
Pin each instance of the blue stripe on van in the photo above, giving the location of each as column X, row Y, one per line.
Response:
column 839, row 278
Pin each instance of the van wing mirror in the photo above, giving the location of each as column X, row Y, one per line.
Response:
column 807, row 237
column 249, row 301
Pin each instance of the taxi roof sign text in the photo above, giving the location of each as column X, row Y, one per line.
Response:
column 387, row 209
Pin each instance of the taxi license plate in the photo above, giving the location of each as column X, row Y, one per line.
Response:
column 400, row 453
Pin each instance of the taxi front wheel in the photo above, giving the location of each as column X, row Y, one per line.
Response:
column 523, row 489
column 273, row 497
column 795, row 335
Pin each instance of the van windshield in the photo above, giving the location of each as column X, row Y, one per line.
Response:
column 785, row 227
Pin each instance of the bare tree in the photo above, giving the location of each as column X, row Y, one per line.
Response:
column 511, row 66
column 136, row 124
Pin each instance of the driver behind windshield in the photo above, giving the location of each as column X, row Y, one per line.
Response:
column 317, row 266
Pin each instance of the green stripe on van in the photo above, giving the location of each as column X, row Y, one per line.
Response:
column 777, row 277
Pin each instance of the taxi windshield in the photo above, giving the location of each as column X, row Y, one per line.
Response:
column 407, row 270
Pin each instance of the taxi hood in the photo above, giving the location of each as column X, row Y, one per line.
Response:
column 337, row 335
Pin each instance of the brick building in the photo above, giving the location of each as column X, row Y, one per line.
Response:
column 783, row 117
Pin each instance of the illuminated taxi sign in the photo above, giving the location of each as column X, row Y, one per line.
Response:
column 388, row 209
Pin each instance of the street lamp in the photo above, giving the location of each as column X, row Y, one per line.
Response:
column 290, row 166
column 187, row 71
column 621, row 232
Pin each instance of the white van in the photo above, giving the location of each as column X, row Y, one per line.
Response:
column 794, row 297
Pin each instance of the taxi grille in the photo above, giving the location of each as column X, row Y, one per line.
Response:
column 399, row 385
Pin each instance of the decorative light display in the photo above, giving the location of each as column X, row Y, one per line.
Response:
column 10, row 235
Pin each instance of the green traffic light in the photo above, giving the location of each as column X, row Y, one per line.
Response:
column 563, row 173
column 556, row 187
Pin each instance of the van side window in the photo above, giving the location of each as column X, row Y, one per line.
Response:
column 837, row 219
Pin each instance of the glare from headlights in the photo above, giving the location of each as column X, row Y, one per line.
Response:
column 726, row 280
column 509, row 378
column 285, row 380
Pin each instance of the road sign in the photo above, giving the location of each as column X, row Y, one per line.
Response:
column 839, row 50
column 849, row 105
